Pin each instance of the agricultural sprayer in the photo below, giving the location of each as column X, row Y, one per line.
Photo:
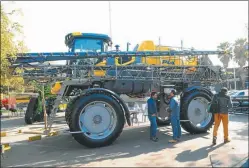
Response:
column 94, row 79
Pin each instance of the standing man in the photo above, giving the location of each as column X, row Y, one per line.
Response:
column 174, row 107
column 152, row 112
column 224, row 103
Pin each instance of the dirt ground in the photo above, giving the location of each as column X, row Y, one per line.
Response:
column 131, row 149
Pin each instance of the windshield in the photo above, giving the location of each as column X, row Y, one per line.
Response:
column 84, row 45
column 89, row 45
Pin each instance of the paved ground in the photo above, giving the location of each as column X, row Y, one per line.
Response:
column 132, row 149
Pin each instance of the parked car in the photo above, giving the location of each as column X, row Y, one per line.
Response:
column 240, row 100
column 239, row 93
column 230, row 92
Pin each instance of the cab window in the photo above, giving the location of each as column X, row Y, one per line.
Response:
column 88, row 45
column 122, row 60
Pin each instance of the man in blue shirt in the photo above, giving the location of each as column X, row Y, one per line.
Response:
column 152, row 111
column 175, row 116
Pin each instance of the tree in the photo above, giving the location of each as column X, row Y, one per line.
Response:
column 9, row 47
column 241, row 57
column 38, row 88
column 225, row 58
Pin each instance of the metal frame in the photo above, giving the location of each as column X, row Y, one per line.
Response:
column 78, row 74
column 56, row 56
column 157, row 74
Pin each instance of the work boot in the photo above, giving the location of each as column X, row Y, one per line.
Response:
column 173, row 141
column 214, row 140
column 155, row 139
column 227, row 140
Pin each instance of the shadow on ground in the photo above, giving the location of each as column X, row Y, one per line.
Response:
column 241, row 133
column 12, row 123
column 63, row 150
column 196, row 155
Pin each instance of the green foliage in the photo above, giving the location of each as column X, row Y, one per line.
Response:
column 225, row 58
column 9, row 47
column 240, row 55
column 39, row 105
column 240, row 51
column 38, row 88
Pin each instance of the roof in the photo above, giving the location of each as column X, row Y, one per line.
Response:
column 69, row 38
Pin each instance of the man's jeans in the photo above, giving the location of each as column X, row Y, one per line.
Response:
column 153, row 126
column 176, row 128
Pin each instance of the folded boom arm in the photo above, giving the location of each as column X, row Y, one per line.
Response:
column 43, row 57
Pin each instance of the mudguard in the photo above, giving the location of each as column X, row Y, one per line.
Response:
column 197, row 88
column 116, row 96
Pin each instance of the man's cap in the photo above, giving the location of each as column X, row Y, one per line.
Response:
column 224, row 89
column 173, row 91
column 152, row 93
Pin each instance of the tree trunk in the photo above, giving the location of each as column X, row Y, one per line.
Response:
column 242, row 77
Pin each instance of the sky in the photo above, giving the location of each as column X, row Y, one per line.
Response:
column 202, row 25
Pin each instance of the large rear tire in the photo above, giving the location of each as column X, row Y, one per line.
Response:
column 194, row 108
column 69, row 109
column 162, row 122
column 163, row 116
column 32, row 106
column 99, row 117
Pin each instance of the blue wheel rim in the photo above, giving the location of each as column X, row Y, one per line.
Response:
column 97, row 120
column 197, row 112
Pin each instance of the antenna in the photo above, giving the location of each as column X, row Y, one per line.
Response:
column 110, row 21
column 181, row 44
column 159, row 41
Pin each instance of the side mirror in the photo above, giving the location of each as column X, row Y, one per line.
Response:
column 110, row 43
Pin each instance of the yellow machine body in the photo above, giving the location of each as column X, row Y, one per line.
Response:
column 163, row 60
column 145, row 46
column 56, row 88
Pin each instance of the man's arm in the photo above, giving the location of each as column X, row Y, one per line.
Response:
column 149, row 107
column 230, row 104
column 213, row 99
column 172, row 104
column 154, row 107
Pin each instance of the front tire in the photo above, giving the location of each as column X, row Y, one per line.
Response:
column 162, row 122
column 69, row 110
column 99, row 117
column 32, row 106
column 194, row 108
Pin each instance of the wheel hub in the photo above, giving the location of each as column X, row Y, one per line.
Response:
column 197, row 112
column 97, row 119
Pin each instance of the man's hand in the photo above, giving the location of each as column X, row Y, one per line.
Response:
column 169, row 110
column 153, row 115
